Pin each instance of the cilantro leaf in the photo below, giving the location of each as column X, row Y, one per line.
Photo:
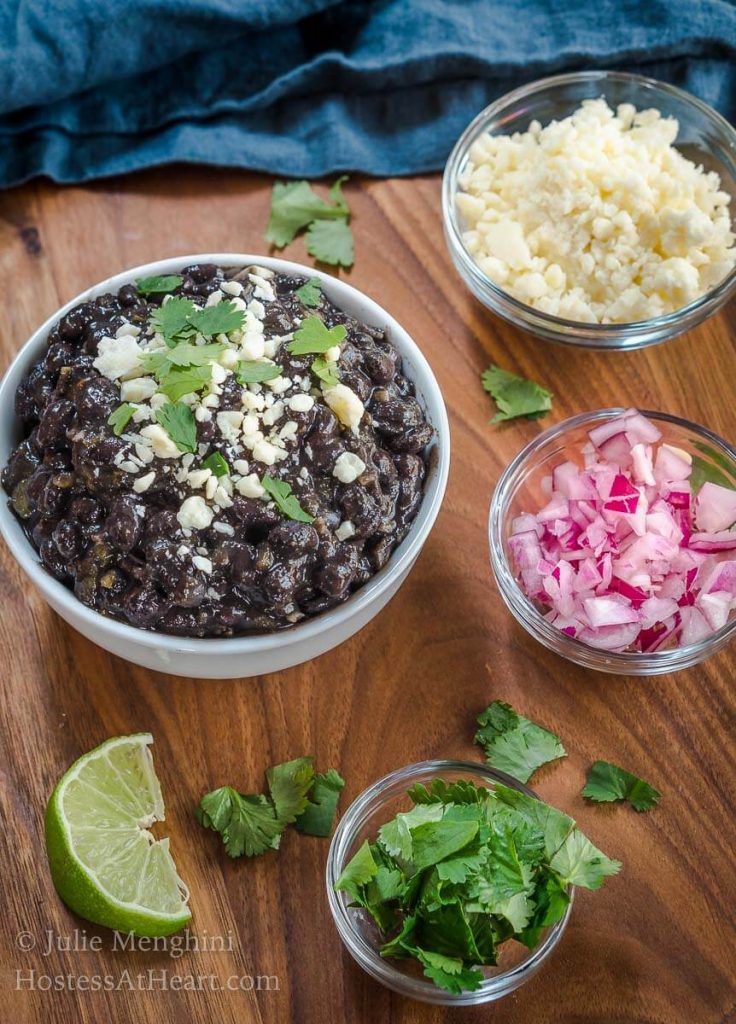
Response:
column 156, row 285
column 287, row 502
column 217, row 464
column 607, row 782
column 395, row 836
column 218, row 319
column 449, row 973
column 295, row 205
column 570, row 855
column 186, row 381
column 357, row 872
column 704, row 470
column 437, row 840
column 257, row 372
column 289, row 784
column 171, row 319
column 515, row 396
column 578, row 862
column 515, row 744
column 248, row 824
column 178, row 421
column 313, row 336
column 120, row 417
column 326, row 370
column 317, row 817
column 194, row 355
column 310, row 293
column 331, row 242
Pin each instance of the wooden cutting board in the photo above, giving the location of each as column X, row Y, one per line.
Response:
column 656, row 945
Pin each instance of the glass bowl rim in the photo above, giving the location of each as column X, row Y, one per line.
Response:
column 382, row 969
column 599, row 332
column 524, row 609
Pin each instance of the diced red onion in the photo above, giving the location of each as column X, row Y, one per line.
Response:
column 622, row 556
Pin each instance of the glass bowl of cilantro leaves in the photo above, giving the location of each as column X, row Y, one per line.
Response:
column 451, row 883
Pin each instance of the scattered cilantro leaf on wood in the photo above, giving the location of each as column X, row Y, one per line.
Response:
column 296, row 206
column 176, row 383
column 171, row 319
column 515, row 744
column 248, row 824
column 331, row 242
column 310, row 293
column 218, row 319
column 217, row 464
column 318, row 816
column 607, row 782
column 326, row 371
column 120, row 417
column 466, row 869
column 289, row 784
column 248, row 372
column 281, row 493
column 158, row 284
column 178, row 421
column 313, row 336
column 515, row 396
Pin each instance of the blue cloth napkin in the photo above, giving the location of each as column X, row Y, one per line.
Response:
column 306, row 87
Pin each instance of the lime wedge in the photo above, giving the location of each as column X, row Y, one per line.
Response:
column 105, row 864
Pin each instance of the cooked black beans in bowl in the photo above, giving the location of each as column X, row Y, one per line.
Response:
column 216, row 453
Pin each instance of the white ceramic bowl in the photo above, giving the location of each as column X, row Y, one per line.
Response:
column 248, row 655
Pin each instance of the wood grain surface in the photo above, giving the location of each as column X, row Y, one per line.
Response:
column 656, row 945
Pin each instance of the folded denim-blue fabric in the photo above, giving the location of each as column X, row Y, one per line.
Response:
column 307, row 87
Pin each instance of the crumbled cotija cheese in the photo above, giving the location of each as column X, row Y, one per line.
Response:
column 596, row 218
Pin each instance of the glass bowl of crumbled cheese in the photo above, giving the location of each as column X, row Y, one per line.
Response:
column 595, row 209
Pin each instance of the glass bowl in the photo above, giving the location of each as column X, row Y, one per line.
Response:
column 704, row 137
column 377, row 805
column 520, row 489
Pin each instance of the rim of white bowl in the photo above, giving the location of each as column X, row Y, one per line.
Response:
column 344, row 295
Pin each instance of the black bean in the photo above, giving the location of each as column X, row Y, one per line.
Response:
column 58, row 417
column 69, row 539
column 294, row 539
column 124, row 525
column 144, row 605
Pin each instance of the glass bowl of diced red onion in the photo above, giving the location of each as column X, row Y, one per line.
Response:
column 613, row 541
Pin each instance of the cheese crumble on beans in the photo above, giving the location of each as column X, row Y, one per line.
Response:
column 145, row 533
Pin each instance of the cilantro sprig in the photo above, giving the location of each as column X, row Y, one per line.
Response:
column 295, row 206
column 178, row 421
column 515, row 744
column 310, row 293
column 464, row 870
column 326, row 371
column 158, row 284
column 607, row 782
column 287, row 502
column 120, row 417
column 257, row 371
column 515, row 396
column 313, row 337
column 252, row 823
column 217, row 463
column 180, row 319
